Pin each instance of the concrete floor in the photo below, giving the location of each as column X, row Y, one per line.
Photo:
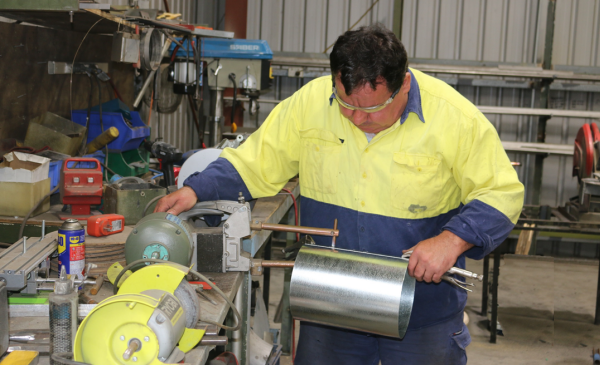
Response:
column 546, row 310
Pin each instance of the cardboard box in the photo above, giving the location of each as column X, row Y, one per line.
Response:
column 21, row 167
column 17, row 198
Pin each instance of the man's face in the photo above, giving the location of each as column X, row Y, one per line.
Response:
column 365, row 96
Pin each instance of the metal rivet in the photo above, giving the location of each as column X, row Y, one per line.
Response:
column 122, row 338
column 177, row 232
column 134, row 358
column 146, row 338
column 226, row 225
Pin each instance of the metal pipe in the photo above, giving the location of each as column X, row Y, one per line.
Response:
column 216, row 114
column 295, row 229
column 272, row 263
column 354, row 290
column 333, row 239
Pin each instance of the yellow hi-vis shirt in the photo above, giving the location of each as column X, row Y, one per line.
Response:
column 440, row 167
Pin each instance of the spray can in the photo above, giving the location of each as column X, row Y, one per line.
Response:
column 71, row 247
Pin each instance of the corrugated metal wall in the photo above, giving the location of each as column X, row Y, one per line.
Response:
column 311, row 25
column 487, row 31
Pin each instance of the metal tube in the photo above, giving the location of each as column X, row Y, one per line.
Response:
column 270, row 263
column 216, row 115
column 297, row 229
column 354, row 290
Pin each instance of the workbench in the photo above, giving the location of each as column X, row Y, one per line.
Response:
column 236, row 285
column 541, row 221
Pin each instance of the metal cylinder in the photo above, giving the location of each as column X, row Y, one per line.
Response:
column 216, row 115
column 354, row 290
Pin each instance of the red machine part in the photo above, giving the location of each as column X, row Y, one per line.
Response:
column 583, row 158
column 80, row 187
column 105, row 224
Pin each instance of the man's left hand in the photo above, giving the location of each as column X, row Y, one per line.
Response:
column 434, row 256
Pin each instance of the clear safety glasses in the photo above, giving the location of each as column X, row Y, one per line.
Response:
column 369, row 109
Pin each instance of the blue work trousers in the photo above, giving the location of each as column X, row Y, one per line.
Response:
column 441, row 344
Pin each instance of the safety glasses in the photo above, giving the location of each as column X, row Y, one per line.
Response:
column 369, row 109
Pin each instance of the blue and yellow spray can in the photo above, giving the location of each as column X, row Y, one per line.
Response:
column 71, row 247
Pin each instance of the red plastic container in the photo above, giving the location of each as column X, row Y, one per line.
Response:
column 105, row 224
column 80, row 187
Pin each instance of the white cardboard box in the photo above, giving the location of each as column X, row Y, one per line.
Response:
column 24, row 167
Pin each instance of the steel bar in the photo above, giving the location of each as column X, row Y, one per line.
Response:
column 495, row 277
column 495, row 110
column 351, row 289
column 485, row 286
column 295, row 229
column 267, row 271
column 41, row 310
column 214, row 341
column 538, row 148
column 501, row 70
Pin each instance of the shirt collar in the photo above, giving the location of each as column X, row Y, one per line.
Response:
column 414, row 100
column 413, row 105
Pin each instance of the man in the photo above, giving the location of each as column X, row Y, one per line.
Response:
column 404, row 162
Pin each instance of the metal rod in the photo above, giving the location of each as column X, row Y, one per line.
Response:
column 333, row 239
column 268, row 263
column 267, row 271
column 494, row 323
column 214, row 341
column 295, row 229
column 134, row 345
column 485, row 286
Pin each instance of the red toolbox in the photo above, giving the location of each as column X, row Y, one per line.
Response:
column 80, row 187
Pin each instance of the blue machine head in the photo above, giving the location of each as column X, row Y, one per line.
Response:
column 229, row 48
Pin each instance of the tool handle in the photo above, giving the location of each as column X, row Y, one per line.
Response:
column 465, row 273
column 99, row 282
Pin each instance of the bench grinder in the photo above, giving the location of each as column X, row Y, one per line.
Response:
column 149, row 321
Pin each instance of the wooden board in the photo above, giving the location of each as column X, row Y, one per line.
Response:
column 28, row 89
column 83, row 20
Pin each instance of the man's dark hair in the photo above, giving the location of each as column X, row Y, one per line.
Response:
column 362, row 56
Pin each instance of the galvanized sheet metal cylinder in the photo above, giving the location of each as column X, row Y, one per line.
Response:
column 354, row 290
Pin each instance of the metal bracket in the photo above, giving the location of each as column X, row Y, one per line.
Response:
column 23, row 257
column 235, row 228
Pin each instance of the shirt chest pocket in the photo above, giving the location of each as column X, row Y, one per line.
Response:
column 320, row 159
column 417, row 184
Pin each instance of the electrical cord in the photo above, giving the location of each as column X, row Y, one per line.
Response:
column 63, row 358
column 102, row 125
column 232, row 78
column 34, row 208
column 150, row 203
column 199, row 276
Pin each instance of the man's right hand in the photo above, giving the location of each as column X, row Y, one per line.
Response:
column 180, row 201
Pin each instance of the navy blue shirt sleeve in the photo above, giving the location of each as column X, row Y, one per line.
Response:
column 482, row 225
column 219, row 181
